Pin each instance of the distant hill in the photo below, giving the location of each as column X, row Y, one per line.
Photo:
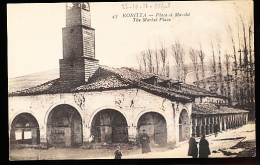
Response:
column 31, row 80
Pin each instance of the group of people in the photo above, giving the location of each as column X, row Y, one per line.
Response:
column 203, row 150
column 193, row 151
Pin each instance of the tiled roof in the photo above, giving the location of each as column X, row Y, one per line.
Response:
column 209, row 108
column 109, row 78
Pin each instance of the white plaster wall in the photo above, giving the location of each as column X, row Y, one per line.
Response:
column 132, row 103
column 209, row 99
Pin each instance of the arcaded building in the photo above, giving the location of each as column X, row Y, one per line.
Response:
column 112, row 104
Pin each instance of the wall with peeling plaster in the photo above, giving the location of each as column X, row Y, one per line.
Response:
column 132, row 103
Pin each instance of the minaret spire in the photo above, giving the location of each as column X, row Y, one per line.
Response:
column 78, row 63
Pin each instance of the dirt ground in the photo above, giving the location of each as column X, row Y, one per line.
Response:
column 238, row 142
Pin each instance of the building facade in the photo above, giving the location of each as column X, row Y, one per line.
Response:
column 112, row 104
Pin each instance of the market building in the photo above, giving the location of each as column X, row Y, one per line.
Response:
column 112, row 104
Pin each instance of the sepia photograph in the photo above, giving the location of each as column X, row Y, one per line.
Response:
column 131, row 80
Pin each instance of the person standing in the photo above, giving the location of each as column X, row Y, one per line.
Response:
column 144, row 141
column 204, row 150
column 118, row 153
column 193, row 149
column 216, row 129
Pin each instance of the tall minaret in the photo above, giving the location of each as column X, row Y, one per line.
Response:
column 78, row 63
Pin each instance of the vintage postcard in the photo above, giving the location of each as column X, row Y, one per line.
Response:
column 123, row 80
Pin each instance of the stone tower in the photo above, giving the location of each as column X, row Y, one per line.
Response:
column 78, row 63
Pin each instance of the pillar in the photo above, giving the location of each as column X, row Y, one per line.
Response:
column 207, row 125
column 240, row 120
column 212, row 125
column 237, row 120
column 227, row 121
column 233, row 121
column 224, row 123
column 132, row 134
column 34, row 136
column 220, row 123
column 198, row 133
column 12, row 136
column 67, row 136
column 203, row 126
column 194, row 125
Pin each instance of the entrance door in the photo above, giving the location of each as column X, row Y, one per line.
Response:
column 184, row 126
column 25, row 130
column 109, row 126
column 64, row 127
column 154, row 125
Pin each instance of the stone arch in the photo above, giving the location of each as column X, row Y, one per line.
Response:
column 146, row 111
column 154, row 125
column 64, row 126
column 184, row 125
column 60, row 103
column 109, row 126
column 17, row 113
column 106, row 107
column 24, row 129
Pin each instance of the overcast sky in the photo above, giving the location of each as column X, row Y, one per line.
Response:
column 35, row 31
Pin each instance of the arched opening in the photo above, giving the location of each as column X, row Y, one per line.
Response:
column 109, row 126
column 154, row 125
column 25, row 130
column 184, row 126
column 64, row 127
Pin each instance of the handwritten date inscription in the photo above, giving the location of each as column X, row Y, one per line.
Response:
column 158, row 5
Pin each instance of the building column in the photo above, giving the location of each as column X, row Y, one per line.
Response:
column 207, row 125
column 34, row 135
column 132, row 134
column 242, row 119
column 86, row 133
column 237, row 119
column 246, row 118
column 212, row 124
column 198, row 133
column 224, row 123
column 220, row 123
column 44, row 140
column 194, row 125
column 203, row 126
column 233, row 121
column 228, row 121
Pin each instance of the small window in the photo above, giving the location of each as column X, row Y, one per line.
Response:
column 71, row 30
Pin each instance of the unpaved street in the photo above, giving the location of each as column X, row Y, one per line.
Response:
column 223, row 141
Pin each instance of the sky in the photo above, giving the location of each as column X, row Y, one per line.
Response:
column 35, row 31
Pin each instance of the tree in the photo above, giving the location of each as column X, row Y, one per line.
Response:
column 194, row 59
column 163, row 55
column 149, row 57
column 178, row 54
column 227, row 78
column 201, row 57
column 157, row 60
column 144, row 59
